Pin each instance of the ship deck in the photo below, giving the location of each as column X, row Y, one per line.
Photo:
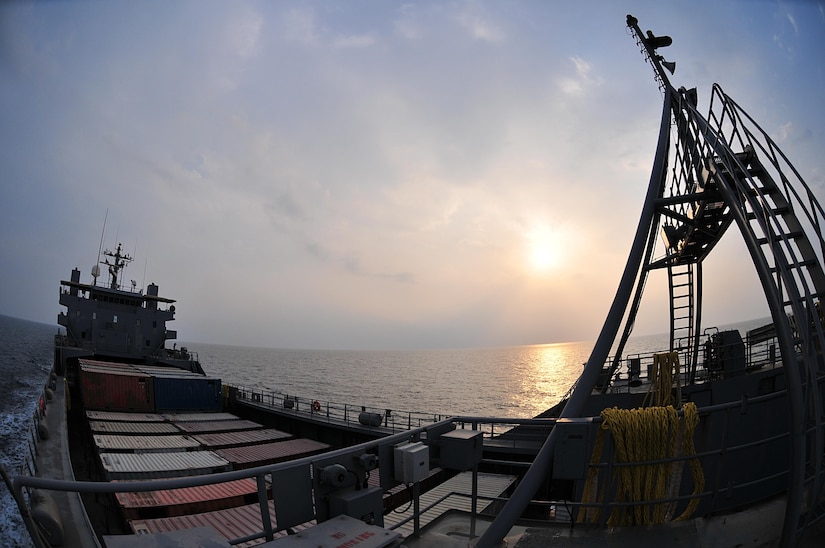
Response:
column 53, row 462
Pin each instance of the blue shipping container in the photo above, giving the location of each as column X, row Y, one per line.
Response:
column 175, row 393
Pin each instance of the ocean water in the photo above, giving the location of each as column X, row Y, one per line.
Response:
column 25, row 362
column 510, row 382
column 517, row 381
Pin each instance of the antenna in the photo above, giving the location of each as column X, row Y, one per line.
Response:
column 96, row 267
column 145, row 261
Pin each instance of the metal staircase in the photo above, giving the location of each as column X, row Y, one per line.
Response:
column 780, row 222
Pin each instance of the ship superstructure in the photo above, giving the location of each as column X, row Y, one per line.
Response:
column 114, row 321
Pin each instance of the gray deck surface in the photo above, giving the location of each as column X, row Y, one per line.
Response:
column 53, row 462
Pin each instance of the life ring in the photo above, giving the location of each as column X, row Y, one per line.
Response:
column 316, row 406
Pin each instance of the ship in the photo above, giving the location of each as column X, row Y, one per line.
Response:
column 715, row 440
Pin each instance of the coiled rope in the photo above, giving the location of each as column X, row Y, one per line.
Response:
column 647, row 436
column 665, row 372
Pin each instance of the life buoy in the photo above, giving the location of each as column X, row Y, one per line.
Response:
column 316, row 406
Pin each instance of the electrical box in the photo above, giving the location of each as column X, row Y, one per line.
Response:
column 573, row 449
column 364, row 504
column 461, row 449
column 412, row 462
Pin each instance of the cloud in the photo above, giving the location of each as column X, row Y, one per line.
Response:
column 582, row 81
column 363, row 177
column 300, row 26
column 353, row 41
column 479, row 26
column 243, row 35
column 792, row 20
column 406, row 24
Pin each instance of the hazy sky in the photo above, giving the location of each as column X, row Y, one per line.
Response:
column 372, row 174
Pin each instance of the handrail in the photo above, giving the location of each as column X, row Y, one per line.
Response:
column 20, row 482
column 260, row 472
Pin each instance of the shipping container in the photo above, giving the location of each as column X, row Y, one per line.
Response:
column 199, row 417
column 123, row 416
column 216, row 426
column 136, row 428
column 186, row 393
column 105, row 364
column 231, row 524
column 108, row 443
column 115, row 388
column 250, row 456
column 164, row 370
column 130, row 466
column 222, row 440
column 188, row 500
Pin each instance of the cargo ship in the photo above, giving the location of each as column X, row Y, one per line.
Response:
column 716, row 439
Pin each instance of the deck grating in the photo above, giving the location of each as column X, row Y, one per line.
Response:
column 489, row 485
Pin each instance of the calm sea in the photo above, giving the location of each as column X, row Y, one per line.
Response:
column 516, row 381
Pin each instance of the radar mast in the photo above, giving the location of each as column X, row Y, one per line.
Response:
column 120, row 260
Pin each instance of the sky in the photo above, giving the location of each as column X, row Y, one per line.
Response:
column 371, row 174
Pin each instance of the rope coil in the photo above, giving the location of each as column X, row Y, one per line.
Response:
column 642, row 439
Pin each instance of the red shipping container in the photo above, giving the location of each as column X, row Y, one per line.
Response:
column 222, row 440
column 231, row 523
column 250, row 456
column 189, row 500
column 115, row 388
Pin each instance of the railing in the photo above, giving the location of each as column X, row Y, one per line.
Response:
column 338, row 413
column 62, row 341
column 713, row 457
column 503, row 432
column 759, row 352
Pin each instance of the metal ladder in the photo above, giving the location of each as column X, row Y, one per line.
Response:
column 680, row 284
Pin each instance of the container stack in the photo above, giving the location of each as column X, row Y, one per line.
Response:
column 154, row 423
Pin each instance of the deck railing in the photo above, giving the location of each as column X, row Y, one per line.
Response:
column 502, row 431
column 713, row 458
column 497, row 432
column 339, row 413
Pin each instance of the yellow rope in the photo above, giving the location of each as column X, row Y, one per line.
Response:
column 665, row 371
column 640, row 435
column 691, row 420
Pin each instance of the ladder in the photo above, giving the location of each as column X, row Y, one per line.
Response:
column 682, row 303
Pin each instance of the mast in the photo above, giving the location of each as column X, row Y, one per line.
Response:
column 120, row 260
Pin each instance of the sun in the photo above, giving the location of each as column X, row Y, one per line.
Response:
column 542, row 258
column 543, row 249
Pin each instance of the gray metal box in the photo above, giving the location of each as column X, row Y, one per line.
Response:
column 363, row 504
column 412, row 462
column 573, row 448
column 461, row 449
